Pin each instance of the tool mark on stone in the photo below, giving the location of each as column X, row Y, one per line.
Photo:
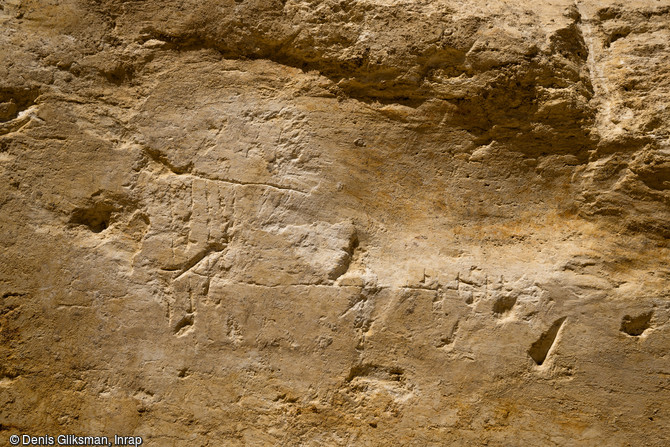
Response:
column 120, row 73
column 96, row 217
column 286, row 398
column 163, row 160
column 503, row 305
column 8, row 377
column 427, row 288
column 101, row 210
column 187, row 170
column 15, row 100
column 450, row 337
column 355, row 304
column 14, row 125
column 619, row 33
column 345, row 261
column 635, row 326
column 233, row 331
column 13, row 294
column 196, row 259
column 393, row 373
column 655, row 175
column 183, row 325
column 540, row 349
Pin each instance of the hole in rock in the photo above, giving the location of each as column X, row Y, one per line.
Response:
column 616, row 35
column 119, row 74
column 96, row 217
column 184, row 323
column 15, row 100
column 504, row 304
column 635, row 326
column 540, row 349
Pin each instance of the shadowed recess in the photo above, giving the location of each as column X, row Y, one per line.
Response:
column 635, row 326
column 540, row 349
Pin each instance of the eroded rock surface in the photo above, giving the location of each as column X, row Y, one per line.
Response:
column 336, row 223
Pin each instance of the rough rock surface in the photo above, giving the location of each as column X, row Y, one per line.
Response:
column 336, row 223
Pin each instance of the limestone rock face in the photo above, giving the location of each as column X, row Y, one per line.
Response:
column 336, row 222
